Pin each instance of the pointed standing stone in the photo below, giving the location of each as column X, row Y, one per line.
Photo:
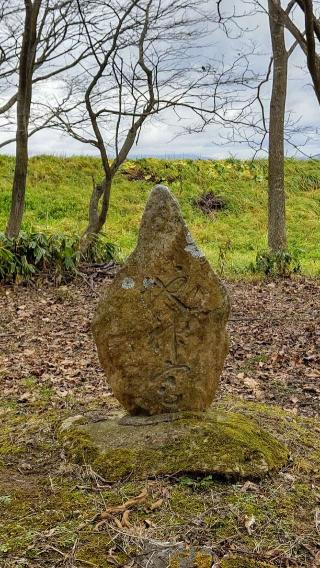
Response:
column 160, row 325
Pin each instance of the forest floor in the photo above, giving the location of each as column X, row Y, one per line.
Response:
column 49, row 371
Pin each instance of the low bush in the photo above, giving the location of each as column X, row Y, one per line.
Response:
column 209, row 202
column 280, row 264
column 30, row 254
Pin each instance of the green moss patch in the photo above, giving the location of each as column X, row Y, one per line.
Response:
column 243, row 562
column 190, row 559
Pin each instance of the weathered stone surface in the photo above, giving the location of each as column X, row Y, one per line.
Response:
column 170, row 555
column 174, row 555
column 219, row 443
column 71, row 421
column 243, row 562
column 160, row 326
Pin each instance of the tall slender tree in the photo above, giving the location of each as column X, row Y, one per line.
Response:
column 306, row 35
column 255, row 124
column 276, row 184
column 40, row 39
column 24, row 97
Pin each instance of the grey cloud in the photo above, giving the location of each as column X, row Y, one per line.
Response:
column 165, row 137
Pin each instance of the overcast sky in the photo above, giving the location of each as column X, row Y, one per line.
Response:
column 164, row 138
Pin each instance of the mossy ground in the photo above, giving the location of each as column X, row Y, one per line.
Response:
column 59, row 189
column 50, row 509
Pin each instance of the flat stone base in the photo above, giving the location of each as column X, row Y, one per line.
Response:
column 225, row 445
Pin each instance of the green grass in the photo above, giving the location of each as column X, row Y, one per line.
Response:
column 59, row 190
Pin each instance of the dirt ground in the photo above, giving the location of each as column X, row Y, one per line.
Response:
column 45, row 340
column 49, row 509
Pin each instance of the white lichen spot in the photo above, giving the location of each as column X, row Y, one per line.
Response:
column 127, row 283
column 192, row 247
column 194, row 251
column 148, row 282
column 189, row 239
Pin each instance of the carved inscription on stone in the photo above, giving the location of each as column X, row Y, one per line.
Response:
column 176, row 307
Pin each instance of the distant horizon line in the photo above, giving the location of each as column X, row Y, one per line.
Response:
column 160, row 156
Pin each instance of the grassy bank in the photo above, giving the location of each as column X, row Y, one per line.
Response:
column 59, row 191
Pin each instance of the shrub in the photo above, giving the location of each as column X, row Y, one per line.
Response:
column 24, row 257
column 209, row 202
column 282, row 263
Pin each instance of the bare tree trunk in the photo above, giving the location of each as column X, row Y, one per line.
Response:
column 97, row 219
column 276, row 187
column 306, row 39
column 312, row 25
column 27, row 58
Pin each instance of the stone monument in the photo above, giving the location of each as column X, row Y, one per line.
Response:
column 160, row 326
column 160, row 329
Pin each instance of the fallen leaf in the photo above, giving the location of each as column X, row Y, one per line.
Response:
column 130, row 564
column 316, row 561
column 29, row 352
column 249, row 486
column 293, row 410
column 251, row 383
column 110, row 558
column 249, row 522
column 288, row 476
column 156, row 505
column 118, row 523
column 130, row 503
column 125, row 519
column 254, row 385
column 149, row 524
column 310, row 388
column 25, row 397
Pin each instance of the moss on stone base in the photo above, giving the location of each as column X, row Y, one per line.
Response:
column 244, row 562
column 224, row 444
column 188, row 559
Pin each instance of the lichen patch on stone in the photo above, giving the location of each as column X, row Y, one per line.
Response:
column 149, row 282
column 194, row 251
column 127, row 283
column 192, row 247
